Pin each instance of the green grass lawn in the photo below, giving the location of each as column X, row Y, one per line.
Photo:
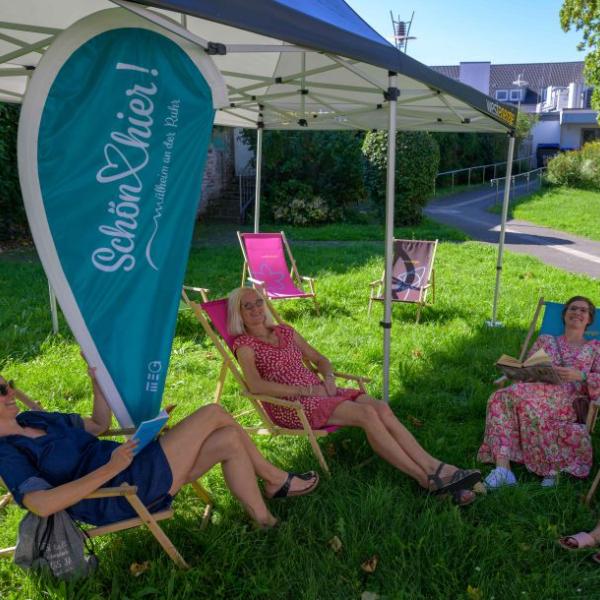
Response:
column 501, row 547
column 565, row 209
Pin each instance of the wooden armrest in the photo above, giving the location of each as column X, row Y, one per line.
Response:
column 111, row 492
column 377, row 282
column 118, row 432
column 352, row 377
column 196, row 289
column 258, row 281
column 307, row 278
column 273, row 400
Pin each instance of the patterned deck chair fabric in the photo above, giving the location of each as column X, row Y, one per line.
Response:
column 552, row 325
column 265, row 266
column 144, row 516
column 412, row 274
column 215, row 313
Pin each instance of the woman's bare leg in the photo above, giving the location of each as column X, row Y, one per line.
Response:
column 404, row 438
column 381, row 440
column 225, row 446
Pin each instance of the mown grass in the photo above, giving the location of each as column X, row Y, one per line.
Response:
column 565, row 209
column 501, row 547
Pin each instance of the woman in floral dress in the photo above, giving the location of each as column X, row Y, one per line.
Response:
column 271, row 357
column 536, row 424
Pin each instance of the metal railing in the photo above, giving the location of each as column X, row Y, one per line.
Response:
column 532, row 178
column 247, row 189
column 474, row 178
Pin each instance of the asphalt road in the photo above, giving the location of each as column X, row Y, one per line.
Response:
column 467, row 212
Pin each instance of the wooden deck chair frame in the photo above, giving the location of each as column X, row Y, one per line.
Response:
column 144, row 516
column 230, row 365
column 592, row 415
column 294, row 274
column 377, row 285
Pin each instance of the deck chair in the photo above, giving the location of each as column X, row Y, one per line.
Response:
column 552, row 325
column 144, row 516
column 215, row 312
column 265, row 266
column 412, row 274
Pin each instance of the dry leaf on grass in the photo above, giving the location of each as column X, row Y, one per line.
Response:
column 370, row 565
column 369, row 596
column 414, row 421
column 416, row 353
column 474, row 593
column 136, row 569
column 335, row 543
column 330, row 450
column 479, row 488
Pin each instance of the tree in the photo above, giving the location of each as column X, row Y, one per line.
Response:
column 584, row 16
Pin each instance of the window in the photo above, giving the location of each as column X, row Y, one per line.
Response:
column 501, row 95
column 515, row 95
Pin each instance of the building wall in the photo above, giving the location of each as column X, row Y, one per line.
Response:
column 545, row 132
column 570, row 136
column 219, row 169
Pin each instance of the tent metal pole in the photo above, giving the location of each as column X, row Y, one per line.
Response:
column 391, row 96
column 53, row 309
column 259, row 146
column 509, row 161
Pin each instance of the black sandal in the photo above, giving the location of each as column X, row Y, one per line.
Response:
column 460, row 479
column 284, row 490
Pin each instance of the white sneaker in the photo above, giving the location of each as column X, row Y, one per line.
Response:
column 499, row 477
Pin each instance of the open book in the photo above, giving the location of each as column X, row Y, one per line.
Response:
column 148, row 430
column 538, row 367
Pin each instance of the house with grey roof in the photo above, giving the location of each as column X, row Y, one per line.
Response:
column 555, row 92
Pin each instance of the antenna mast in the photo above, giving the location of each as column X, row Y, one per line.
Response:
column 401, row 31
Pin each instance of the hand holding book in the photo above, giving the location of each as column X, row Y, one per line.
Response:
column 538, row 367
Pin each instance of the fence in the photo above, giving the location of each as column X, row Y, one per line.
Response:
column 532, row 178
column 472, row 173
column 247, row 189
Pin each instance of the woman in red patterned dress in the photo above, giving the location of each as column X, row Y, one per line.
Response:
column 535, row 423
column 271, row 357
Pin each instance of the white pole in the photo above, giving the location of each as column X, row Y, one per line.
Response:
column 259, row 144
column 391, row 96
column 53, row 309
column 507, row 181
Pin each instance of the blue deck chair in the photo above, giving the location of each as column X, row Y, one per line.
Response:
column 552, row 325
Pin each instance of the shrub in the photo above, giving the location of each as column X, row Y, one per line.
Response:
column 13, row 221
column 417, row 160
column 294, row 202
column 577, row 168
column 306, row 164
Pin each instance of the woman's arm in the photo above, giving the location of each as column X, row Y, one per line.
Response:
column 321, row 362
column 47, row 502
column 258, row 385
column 100, row 420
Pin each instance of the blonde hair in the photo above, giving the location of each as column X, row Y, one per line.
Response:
column 235, row 322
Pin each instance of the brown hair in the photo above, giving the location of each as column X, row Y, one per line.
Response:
column 591, row 308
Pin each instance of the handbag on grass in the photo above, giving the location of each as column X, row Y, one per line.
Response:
column 56, row 544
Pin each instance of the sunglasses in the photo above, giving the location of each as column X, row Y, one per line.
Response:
column 4, row 387
column 250, row 305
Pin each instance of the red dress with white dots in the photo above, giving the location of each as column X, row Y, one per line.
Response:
column 284, row 364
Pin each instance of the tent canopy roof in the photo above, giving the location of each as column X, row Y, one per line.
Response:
column 292, row 64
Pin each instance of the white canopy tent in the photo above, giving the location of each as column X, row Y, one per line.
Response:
column 302, row 64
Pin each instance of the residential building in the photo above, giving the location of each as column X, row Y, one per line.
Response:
column 555, row 92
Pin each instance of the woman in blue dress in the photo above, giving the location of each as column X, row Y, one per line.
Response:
column 52, row 461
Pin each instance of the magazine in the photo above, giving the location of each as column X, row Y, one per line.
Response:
column 148, row 430
column 538, row 367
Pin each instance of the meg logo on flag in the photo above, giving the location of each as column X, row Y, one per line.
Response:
column 113, row 138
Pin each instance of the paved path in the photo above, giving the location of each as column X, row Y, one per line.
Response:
column 467, row 212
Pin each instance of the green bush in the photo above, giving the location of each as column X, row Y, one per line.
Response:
column 417, row 160
column 321, row 168
column 13, row 221
column 294, row 202
column 577, row 168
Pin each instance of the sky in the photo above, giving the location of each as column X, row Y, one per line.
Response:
column 452, row 31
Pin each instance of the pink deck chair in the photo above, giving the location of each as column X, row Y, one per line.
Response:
column 412, row 274
column 215, row 313
column 265, row 266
